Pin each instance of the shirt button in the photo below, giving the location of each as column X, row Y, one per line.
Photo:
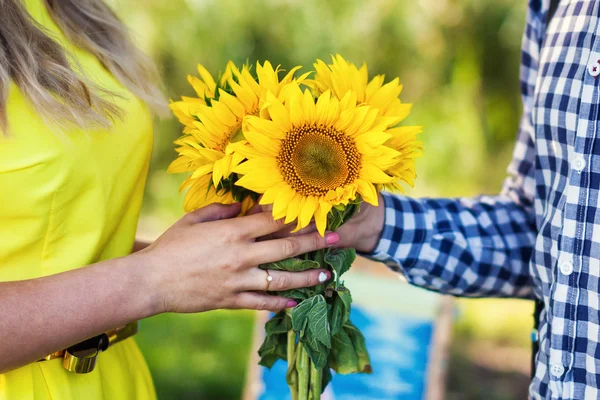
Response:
column 594, row 69
column 578, row 163
column 566, row 267
column 557, row 370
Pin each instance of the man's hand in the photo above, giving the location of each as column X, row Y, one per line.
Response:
column 361, row 232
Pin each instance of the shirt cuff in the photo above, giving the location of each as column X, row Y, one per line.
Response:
column 404, row 233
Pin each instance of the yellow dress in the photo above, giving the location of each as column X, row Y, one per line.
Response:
column 67, row 201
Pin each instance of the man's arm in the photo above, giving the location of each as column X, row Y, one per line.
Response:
column 467, row 247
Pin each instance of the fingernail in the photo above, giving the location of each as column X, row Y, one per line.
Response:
column 332, row 238
column 291, row 304
column 323, row 277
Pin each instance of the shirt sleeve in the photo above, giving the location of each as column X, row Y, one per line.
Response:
column 480, row 246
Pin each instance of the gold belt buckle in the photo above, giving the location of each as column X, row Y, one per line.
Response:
column 81, row 358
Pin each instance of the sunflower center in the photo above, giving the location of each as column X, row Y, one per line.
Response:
column 316, row 159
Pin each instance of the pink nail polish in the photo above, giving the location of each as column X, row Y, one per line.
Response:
column 332, row 238
column 291, row 304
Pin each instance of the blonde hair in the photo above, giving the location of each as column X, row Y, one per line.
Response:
column 40, row 67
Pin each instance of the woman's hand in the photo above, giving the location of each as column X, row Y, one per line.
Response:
column 208, row 260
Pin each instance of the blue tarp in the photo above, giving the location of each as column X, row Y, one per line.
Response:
column 399, row 346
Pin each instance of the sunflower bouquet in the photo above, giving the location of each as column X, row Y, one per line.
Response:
column 315, row 150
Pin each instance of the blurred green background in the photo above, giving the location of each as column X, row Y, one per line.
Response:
column 458, row 60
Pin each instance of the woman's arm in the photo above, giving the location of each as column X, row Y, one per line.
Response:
column 204, row 261
column 139, row 245
column 41, row 316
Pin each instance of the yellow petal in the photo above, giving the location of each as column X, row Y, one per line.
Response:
column 199, row 87
column 321, row 217
column 293, row 207
column 301, row 202
column 373, row 174
column 281, row 204
column 279, row 114
column 322, row 107
column 333, row 112
column 243, row 150
column 264, row 126
column 269, row 196
column 262, row 143
column 224, row 114
column 357, row 120
column 210, row 154
column 295, row 106
column 247, row 204
column 308, row 107
column 233, row 103
column 210, row 121
column 374, row 86
column 249, row 81
column 180, row 164
column 367, row 191
column 264, row 165
column 203, row 170
column 307, row 211
column 245, row 95
column 259, row 183
column 373, row 139
column 207, row 78
column 221, row 167
column 290, row 75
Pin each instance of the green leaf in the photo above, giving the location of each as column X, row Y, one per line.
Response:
column 300, row 314
column 296, row 294
column 358, row 341
column 291, row 265
column 310, row 318
column 349, row 352
column 273, row 348
column 317, row 352
column 340, row 311
column 340, row 261
column 318, row 324
column 279, row 323
column 343, row 358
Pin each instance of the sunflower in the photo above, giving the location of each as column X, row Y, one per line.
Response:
column 310, row 156
column 206, row 89
column 213, row 121
column 341, row 77
column 404, row 140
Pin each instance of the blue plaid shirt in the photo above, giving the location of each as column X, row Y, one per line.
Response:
column 541, row 236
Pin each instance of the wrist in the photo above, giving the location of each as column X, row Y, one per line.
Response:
column 147, row 282
column 371, row 227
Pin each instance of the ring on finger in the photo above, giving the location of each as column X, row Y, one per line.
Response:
column 269, row 280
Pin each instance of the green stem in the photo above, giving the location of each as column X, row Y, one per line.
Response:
column 292, row 374
column 320, row 257
column 303, row 368
column 316, row 378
